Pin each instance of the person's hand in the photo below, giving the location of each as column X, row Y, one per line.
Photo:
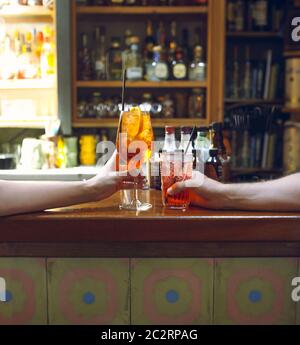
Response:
column 204, row 192
column 109, row 181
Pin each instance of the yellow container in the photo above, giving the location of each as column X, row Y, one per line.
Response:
column 88, row 150
column 291, row 157
column 292, row 83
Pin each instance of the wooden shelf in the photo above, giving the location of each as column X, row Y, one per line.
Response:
column 142, row 84
column 291, row 110
column 38, row 123
column 291, row 53
column 254, row 101
column 20, row 84
column 254, row 34
column 156, row 123
column 141, row 10
column 36, row 13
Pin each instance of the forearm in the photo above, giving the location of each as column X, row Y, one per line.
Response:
column 277, row 195
column 22, row 197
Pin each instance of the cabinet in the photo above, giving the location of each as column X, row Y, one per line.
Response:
column 116, row 20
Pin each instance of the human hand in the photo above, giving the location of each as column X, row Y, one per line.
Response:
column 109, row 181
column 204, row 192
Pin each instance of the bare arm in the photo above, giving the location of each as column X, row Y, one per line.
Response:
column 278, row 195
column 23, row 197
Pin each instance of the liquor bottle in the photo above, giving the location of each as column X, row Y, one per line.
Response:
column 247, row 75
column 236, row 74
column 185, row 44
column 178, row 67
column 196, row 104
column 85, row 60
column 133, row 60
column 8, row 61
column 202, row 145
column 218, row 143
column 170, row 143
column 149, row 42
column 185, row 140
column 213, row 166
column 240, row 15
column 161, row 36
column 159, row 68
column 231, row 9
column 197, row 68
column 260, row 15
column 114, row 60
column 99, row 54
column 173, row 43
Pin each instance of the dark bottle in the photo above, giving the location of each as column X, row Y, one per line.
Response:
column 185, row 44
column 260, row 15
column 173, row 43
column 114, row 60
column 85, row 60
column 218, row 143
column 149, row 42
column 179, row 68
column 213, row 166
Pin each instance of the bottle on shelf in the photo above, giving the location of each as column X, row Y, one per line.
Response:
column 170, row 142
column 185, row 44
column 235, row 74
column 218, row 143
column 99, row 54
column 196, row 104
column 133, row 60
column 114, row 60
column 213, row 166
column 231, row 10
column 247, row 76
column 240, row 15
column 260, row 15
column 158, row 70
column 149, row 42
column 186, row 133
column 85, row 70
column 197, row 68
column 178, row 66
column 168, row 106
column 8, row 61
column 173, row 43
column 202, row 144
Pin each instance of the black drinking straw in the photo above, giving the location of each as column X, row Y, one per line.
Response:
column 123, row 89
column 191, row 137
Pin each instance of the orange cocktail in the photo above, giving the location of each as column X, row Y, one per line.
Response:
column 134, row 146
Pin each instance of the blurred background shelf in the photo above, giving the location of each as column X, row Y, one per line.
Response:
column 27, row 84
column 254, row 34
column 142, row 84
column 36, row 123
column 142, row 10
column 26, row 13
column 254, row 101
column 156, row 123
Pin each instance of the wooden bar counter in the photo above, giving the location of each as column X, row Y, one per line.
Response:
column 102, row 230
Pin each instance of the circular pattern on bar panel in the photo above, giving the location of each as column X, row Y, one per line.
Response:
column 255, row 296
column 172, row 296
column 88, row 296
column 20, row 305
